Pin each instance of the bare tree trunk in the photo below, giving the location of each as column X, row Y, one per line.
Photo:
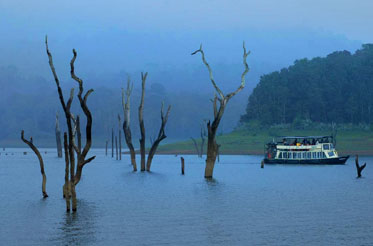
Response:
column 79, row 135
column 359, row 168
column 141, row 121
column 203, row 134
column 120, row 139
column 212, row 146
column 36, row 151
column 58, row 138
column 126, row 124
column 112, row 143
column 196, row 146
column 161, row 136
column 66, row 187
column 116, row 147
column 106, row 148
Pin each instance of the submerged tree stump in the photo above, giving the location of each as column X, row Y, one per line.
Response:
column 359, row 168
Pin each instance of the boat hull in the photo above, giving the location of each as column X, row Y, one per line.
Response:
column 329, row 161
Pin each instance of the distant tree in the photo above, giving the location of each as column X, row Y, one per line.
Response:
column 337, row 88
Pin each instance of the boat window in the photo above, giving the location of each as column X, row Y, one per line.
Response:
column 323, row 155
column 280, row 155
column 294, row 155
column 326, row 146
column 318, row 155
column 331, row 146
column 290, row 156
column 309, row 155
column 304, row 155
column 313, row 155
column 331, row 154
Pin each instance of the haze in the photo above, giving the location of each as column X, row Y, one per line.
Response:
column 119, row 38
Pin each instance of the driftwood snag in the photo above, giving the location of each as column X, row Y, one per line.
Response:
column 212, row 127
column 36, row 151
column 126, row 100
column 359, row 168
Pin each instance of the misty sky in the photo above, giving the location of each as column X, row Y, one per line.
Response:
column 117, row 36
column 351, row 18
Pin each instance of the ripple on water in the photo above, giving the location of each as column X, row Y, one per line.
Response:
column 242, row 205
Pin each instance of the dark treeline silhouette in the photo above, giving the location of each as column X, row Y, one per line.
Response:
column 337, row 88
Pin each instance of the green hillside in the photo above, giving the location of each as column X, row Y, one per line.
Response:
column 252, row 142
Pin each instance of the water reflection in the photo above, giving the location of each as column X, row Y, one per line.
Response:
column 242, row 205
column 78, row 228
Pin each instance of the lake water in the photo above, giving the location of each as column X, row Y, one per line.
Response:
column 243, row 205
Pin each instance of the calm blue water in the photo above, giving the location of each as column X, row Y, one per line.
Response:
column 243, row 205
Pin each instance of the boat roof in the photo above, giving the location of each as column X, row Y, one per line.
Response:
column 303, row 137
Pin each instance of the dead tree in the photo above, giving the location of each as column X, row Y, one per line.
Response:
column 141, row 121
column 112, row 142
column 82, row 160
column 359, row 168
column 66, row 186
column 36, row 151
column 212, row 146
column 161, row 136
column 79, row 135
column 203, row 135
column 196, row 146
column 126, row 99
column 120, row 139
column 75, row 171
column 58, row 138
column 106, row 148
column 116, row 147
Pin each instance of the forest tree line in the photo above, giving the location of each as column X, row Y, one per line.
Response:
column 191, row 109
column 334, row 89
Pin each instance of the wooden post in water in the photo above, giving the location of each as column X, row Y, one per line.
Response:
column 182, row 165
column 262, row 164
column 116, row 147
column 359, row 168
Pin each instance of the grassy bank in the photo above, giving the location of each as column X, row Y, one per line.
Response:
column 252, row 142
